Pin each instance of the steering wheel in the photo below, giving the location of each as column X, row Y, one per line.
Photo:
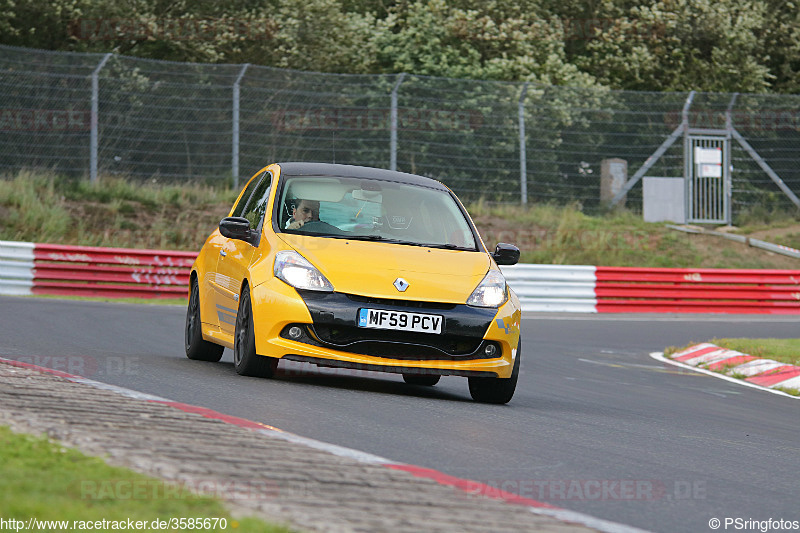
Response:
column 318, row 226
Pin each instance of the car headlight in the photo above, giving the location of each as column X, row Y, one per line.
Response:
column 295, row 270
column 491, row 292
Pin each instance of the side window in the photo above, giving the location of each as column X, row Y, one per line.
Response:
column 257, row 206
column 239, row 209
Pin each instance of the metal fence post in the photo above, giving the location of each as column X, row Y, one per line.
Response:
column 393, row 125
column 235, row 141
column 727, row 162
column 688, row 157
column 93, row 141
column 523, row 159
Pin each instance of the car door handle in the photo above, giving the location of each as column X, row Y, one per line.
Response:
column 222, row 253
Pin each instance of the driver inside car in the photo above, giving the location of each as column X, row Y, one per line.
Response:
column 303, row 211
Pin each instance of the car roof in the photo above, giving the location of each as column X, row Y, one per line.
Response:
column 352, row 171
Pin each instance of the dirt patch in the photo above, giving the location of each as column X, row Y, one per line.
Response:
column 5, row 214
column 786, row 236
column 719, row 252
column 136, row 225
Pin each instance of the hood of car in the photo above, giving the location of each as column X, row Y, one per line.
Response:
column 395, row 271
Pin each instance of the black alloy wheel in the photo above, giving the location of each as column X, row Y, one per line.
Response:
column 496, row 390
column 245, row 359
column 198, row 348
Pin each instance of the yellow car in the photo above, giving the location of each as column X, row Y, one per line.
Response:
column 355, row 267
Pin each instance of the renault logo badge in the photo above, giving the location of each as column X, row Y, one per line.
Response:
column 400, row 284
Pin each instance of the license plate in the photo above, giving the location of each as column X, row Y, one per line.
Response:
column 400, row 320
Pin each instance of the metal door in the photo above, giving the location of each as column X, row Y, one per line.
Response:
column 708, row 189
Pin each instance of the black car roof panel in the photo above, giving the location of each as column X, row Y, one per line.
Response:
column 352, row 171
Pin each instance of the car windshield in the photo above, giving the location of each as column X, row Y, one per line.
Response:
column 355, row 208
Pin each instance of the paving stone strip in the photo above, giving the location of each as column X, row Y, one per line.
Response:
column 285, row 482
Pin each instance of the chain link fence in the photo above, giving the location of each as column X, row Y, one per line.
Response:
column 86, row 114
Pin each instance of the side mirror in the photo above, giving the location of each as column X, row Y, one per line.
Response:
column 235, row 228
column 506, row 254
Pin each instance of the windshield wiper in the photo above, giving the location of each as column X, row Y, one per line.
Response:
column 299, row 231
column 371, row 237
column 449, row 247
column 380, row 238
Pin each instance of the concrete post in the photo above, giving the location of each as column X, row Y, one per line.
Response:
column 613, row 176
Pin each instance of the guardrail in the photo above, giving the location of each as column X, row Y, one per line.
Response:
column 699, row 290
column 591, row 289
column 554, row 288
column 28, row 268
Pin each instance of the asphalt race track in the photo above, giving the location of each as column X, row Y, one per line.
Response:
column 596, row 425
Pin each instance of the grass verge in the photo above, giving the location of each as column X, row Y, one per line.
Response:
column 554, row 234
column 781, row 350
column 42, row 479
column 46, row 208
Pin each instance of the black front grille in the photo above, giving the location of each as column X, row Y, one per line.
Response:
column 400, row 303
column 393, row 345
column 399, row 344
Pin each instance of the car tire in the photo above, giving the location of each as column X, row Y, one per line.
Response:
column 245, row 359
column 496, row 390
column 419, row 379
column 198, row 348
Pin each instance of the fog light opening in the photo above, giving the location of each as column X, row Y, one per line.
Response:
column 490, row 350
column 295, row 332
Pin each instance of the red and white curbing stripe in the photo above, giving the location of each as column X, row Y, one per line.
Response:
column 465, row 485
column 759, row 372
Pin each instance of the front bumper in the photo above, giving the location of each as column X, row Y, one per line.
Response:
column 331, row 337
column 335, row 318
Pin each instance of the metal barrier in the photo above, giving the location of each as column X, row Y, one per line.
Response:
column 554, row 288
column 590, row 289
column 698, row 290
column 28, row 268
column 16, row 267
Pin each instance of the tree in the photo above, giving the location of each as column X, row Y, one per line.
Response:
column 675, row 45
column 433, row 38
column 318, row 35
column 781, row 41
column 663, row 45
